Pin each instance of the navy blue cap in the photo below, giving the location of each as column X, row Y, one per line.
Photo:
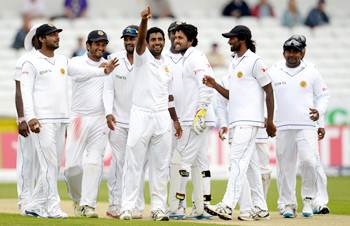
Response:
column 46, row 29
column 97, row 35
column 131, row 31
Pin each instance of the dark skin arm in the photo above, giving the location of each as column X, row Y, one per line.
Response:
column 270, row 104
column 173, row 116
column 210, row 82
column 141, row 40
column 23, row 128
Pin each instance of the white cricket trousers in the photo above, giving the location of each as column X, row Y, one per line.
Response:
column 150, row 134
column 27, row 170
column 86, row 143
column 49, row 146
column 117, row 140
column 241, row 151
column 292, row 145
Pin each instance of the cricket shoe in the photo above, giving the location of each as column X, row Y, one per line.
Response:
column 307, row 207
column 321, row 210
column 126, row 215
column 289, row 212
column 89, row 212
column 113, row 212
column 77, row 209
column 136, row 214
column 159, row 215
column 57, row 214
column 261, row 214
column 221, row 210
column 35, row 213
column 246, row 216
column 179, row 214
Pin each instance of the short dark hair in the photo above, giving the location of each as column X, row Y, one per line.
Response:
column 190, row 31
column 154, row 30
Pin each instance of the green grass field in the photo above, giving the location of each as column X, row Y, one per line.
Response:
column 338, row 187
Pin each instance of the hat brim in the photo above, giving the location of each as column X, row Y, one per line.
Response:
column 128, row 35
column 53, row 31
column 300, row 49
column 29, row 37
column 229, row 34
column 99, row 39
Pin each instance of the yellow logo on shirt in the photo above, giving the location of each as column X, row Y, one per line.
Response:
column 303, row 84
column 240, row 74
column 167, row 70
column 62, row 71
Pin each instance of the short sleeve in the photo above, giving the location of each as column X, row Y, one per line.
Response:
column 260, row 73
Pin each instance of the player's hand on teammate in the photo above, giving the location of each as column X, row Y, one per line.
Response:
column 270, row 128
column 34, row 125
column 109, row 67
column 223, row 133
column 146, row 13
column 23, row 128
column 314, row 115
column 209, row 81
column 178, row 129
column 320, row 133
column 111, row 121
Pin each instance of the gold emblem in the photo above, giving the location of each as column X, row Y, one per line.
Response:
column 239, row 74
column 303, row 84
column 100, row 33
column 167, row 70
column 62, row 71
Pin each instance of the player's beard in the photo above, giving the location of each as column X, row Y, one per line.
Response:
column 129, row 49
column 52, row 46
column 235, row 47
column 157, row 52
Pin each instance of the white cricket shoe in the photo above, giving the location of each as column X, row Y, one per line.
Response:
column 89, row 212
column 136, row 214
column 221, row 210
column 113, row 211
column 179, row 214
column 159, row 215
column 57, row 214
column 246, row 216
column 126, row 215
column 289, row 211
column 77, row 209
column 307, row 207
column 261, row 214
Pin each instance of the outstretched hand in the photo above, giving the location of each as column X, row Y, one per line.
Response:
column 209, row 81
column 109, row 67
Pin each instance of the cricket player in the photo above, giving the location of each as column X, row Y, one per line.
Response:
column 150, row 131
column 26, row 158
column 87, row 133
column 296, row 139
column 254, row 200
column 117, row 93
column 196, row 116
column 248, row 81
column 44, row 85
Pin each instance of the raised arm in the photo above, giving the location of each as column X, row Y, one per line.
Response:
column 141, row 40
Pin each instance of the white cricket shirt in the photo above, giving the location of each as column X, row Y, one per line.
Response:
column 175, row 60
column 247, row 76
column 153, row 80
column 87, row 90
column 195, row 94
column 19, row 64
column 118, row 88
column 296, row 90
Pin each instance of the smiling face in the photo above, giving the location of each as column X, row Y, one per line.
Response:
column 181, row 42
column 293, row 57
column 156, row 43
column 129, row 44
column 96, row 49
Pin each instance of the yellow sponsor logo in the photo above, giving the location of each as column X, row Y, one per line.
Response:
column 167, row 70
column 303, row 84
column 100, row 33
column 240, row 74
column 62, row 71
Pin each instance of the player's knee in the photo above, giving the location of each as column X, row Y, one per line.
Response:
column 206, row 173
column 184, row 173
column 308, row 163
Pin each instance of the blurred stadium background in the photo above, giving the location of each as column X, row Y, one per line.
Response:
column 328, row 47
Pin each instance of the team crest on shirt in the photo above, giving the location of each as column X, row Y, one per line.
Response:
column 62, row 71
column 240, row 74
column 303, row 84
